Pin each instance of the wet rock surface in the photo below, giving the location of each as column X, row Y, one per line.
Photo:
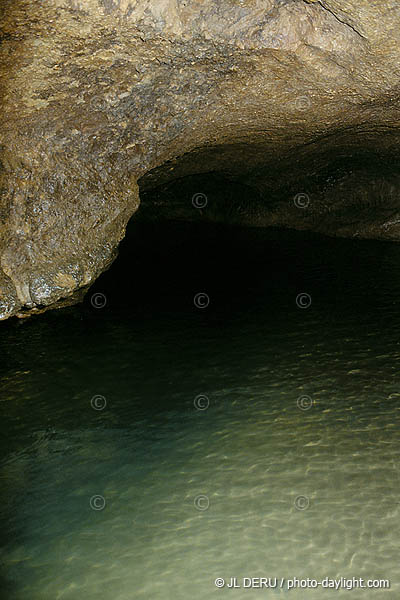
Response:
column 297, row 102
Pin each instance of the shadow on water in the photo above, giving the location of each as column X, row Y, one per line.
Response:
column 150, row 333
column 104, row 399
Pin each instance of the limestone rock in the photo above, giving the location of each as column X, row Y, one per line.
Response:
column 296, row 99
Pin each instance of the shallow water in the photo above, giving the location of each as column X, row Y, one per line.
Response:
column 150, row 446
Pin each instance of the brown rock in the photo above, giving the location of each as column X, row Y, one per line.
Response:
column 296, row 99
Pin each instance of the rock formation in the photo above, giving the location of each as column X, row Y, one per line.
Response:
column 297, row 100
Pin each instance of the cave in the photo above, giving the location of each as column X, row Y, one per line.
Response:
column 199, row 227
column 296, row 99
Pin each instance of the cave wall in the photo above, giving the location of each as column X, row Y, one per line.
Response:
column 287, row 96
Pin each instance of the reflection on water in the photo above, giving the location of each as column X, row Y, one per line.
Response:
column 149, row 447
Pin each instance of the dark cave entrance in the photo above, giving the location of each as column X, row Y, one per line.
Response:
column 187, row 238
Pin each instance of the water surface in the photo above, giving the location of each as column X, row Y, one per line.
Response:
column 251, row 438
